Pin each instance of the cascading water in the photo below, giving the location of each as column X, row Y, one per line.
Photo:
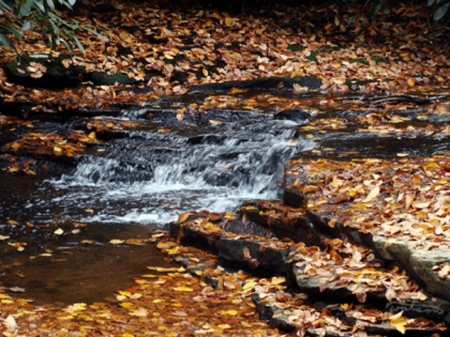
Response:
column 150, row 176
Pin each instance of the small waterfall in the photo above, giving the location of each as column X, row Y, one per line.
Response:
column 150, row 177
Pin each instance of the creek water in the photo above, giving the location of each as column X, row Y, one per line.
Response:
column 142, row 177
column 149, row 177
column 132, row 182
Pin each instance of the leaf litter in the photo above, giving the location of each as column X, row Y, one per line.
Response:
column 407, row 197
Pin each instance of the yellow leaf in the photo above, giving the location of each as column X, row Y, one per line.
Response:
column 184, row 289
column 124, row 293
column 59, row 231
column 249, row 285
column 168, row 269
column 126, row 304
column 411, row 82
column 278, row 280
column 245, row 324
column 76, row 307
column 332, row 223
column 345, row 306
column 12, row 222
column 228, row 21
column 398, row 322
column 232, row 312
column 116, row 241
column 173, row 251
column 126, row 334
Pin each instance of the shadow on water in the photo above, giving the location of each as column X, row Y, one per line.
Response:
column 77, row 274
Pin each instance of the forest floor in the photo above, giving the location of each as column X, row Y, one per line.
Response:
column 165, row 51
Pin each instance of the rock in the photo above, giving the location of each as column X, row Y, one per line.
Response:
column 282, row 221
column 269, row 254
column 419, row 263
column 296, row 115
column 45, row 72
column 103, row 78
column 261, row 84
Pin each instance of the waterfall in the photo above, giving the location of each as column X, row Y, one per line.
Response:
column 149, row 177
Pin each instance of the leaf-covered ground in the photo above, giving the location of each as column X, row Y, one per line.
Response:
column 164, row 51
column 173, row 49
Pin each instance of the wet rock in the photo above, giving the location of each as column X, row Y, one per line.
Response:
column 262, row 84
column 283, row 221
column 44, row 71
column 419, row 263
column 292, row 312
column 296, row 115
column 103, row 78
column 264, row 253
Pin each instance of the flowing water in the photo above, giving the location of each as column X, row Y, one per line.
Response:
column 132, row 182
column 150, row 177
column 143, row 177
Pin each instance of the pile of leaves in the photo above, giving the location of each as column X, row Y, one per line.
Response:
column 171, row 50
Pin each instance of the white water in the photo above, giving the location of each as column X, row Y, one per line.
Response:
column 246, row 163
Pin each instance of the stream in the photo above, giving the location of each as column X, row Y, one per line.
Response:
column 140, row 178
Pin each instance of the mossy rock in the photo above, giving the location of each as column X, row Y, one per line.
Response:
column 53, row 75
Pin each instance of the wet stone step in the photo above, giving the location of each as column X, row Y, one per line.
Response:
column 340, row 269
column 361, row 201
column 298, row 311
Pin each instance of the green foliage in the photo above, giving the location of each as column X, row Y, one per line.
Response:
column 42, row 16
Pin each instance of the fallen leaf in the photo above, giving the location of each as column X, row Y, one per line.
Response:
column 398, row 322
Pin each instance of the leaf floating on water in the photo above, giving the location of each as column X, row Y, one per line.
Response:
column 59, row 231
column 168, row 269
column 17, row 289
column 4, row 237
column 12, row 222
column 116, row 241
column 76, row 307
